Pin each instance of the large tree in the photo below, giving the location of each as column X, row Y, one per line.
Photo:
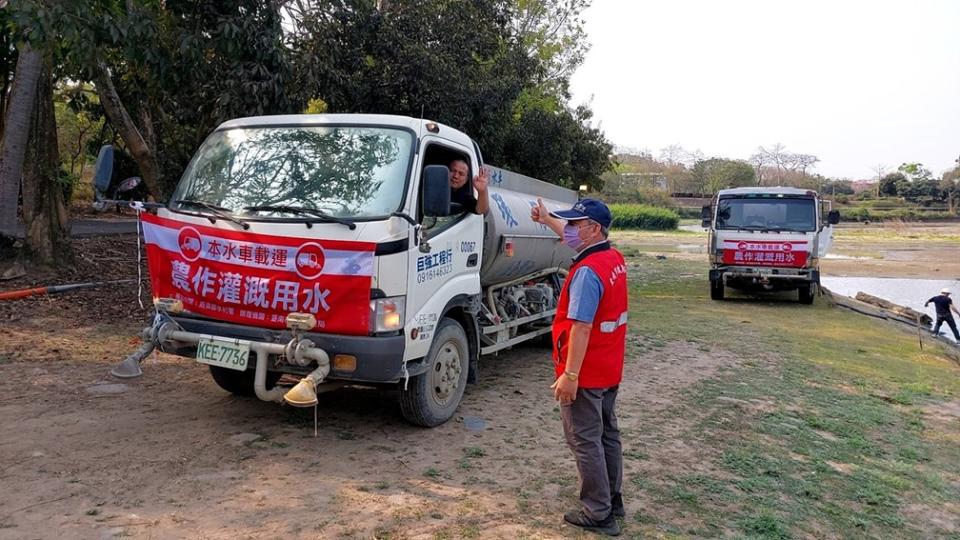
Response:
column 466, row 63
column 167, row 73
column 13, row 148
column 712, row 175
column 44, row 208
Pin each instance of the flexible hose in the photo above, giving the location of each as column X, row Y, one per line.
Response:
column 54, row 289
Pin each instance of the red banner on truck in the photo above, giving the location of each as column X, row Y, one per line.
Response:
column 792, row 254
column 258, row 279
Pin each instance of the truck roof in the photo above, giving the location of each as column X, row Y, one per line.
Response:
column 417, row 125
column 760, row 190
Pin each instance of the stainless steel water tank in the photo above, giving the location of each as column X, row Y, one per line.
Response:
column 534, row 246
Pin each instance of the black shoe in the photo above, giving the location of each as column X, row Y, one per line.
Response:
column 608, row 525
column 616, row 501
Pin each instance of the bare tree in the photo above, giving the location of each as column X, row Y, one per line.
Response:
column 777, row 155
column 692, row 157
column 672, row 154
column 881, row 171
column 805, row 161
column 759, row 161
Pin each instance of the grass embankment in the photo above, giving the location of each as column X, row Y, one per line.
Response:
column 640, row 216
column 827, row 427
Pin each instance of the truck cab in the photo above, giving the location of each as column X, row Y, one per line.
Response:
column 767, row 239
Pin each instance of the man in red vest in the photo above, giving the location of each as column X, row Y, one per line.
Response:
column 589, row 338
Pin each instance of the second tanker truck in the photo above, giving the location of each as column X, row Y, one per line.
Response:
column 304, row 253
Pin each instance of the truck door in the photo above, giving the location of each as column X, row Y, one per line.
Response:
column 447, row 263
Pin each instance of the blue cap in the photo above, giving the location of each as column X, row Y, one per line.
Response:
column 587, row 209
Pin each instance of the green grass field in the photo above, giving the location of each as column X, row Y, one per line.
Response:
column 828, row 427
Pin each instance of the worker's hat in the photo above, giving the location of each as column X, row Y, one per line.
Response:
column 587, row 209
column 944, row 291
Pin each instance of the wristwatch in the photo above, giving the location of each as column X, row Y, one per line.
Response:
column 571, row 375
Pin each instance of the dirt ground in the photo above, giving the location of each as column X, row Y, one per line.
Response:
column 171, row 455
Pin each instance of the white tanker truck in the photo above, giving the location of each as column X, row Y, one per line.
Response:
column 324, row 248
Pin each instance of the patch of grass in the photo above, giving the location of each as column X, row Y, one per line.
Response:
column 680, row 494
column 431, row 472
column 764, row 525
column 473, row 452
column 635, row 455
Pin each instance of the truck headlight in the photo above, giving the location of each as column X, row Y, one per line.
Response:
column 387, row 314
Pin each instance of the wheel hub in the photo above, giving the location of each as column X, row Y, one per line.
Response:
column 445, row 375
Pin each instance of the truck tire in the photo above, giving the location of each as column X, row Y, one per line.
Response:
column 240, row 383
column 432, row 397
column 716, row 289
column 806, row 293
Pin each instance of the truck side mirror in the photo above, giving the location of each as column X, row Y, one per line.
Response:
column 833, row 217
column 103, row 171
column 705, row 216
column 436, row 191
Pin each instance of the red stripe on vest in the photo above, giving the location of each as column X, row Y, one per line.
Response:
column 603, row 363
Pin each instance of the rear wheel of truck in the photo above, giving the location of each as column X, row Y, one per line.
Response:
column 431, row 398
column 716, row 289
column 806, row 293
column 240, row 382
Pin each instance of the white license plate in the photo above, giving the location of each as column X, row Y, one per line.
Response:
column 222, row 353
column 765, row 271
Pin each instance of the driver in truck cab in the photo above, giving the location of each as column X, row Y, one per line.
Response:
column 461, row 191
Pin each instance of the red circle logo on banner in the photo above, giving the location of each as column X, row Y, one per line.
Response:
column 310, row 260
column 190, row 243
column 742, row 246
column 787, row 246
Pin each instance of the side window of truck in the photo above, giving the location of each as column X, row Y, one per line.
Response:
column 439, row 154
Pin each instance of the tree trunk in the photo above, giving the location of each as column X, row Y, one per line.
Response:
column 142, row 152
column 16, row 130
column 44, row 207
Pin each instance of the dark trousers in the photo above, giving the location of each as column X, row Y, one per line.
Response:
column 590, row 426
column 950, row 322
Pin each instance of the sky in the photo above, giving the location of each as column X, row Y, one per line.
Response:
column 859, row 84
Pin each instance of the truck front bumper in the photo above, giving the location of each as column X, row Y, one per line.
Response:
column 807, row 275
column 379, row 358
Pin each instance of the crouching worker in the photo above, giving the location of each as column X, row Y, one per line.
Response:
column 589, row 336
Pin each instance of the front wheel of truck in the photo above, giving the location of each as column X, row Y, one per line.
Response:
column 432, row 397
column 240, row 382
column 716, row 289
column 806, row 293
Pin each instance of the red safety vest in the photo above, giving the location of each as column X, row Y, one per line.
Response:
column 603, row 363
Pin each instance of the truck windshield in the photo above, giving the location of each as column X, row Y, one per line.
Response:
column 767, row 214
column 268, row 172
